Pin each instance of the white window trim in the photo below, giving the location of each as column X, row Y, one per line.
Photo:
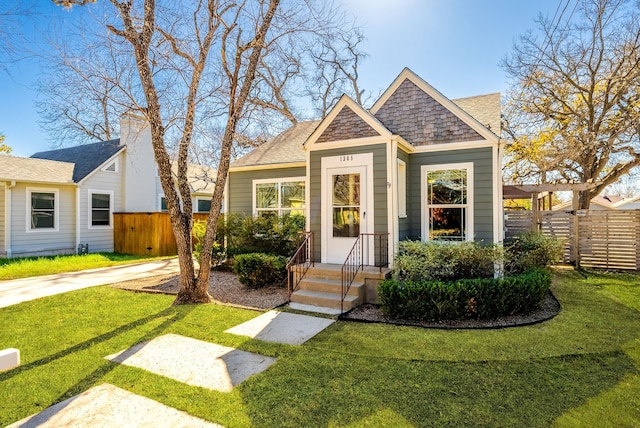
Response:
column 90, row 193
column 56, row 209
column 424, row 209
column 116, row 169
column 402, row 188
column 279, row 181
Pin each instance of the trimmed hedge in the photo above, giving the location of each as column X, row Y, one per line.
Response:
column 480, row 298
column 257, row 270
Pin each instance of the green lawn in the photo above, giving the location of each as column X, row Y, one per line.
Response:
column 581, row 368
column 35, row 266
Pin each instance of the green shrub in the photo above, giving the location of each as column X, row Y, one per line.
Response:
column 219, row 253
column 442, row 261
column 478, row 298
column 532, row 250
column 274, row 234
column 257, row 270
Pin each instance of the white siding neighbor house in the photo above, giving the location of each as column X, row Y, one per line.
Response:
column 56, row 201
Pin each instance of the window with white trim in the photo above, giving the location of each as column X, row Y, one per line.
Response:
column 279, row 197
column 100, row 208
column 402, row 188
column 42, row 209
column 163, row 204
column 447, row 196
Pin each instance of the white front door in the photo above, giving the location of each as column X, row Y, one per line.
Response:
column 347, row 208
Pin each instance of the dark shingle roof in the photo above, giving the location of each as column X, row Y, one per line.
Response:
column 283, row 148
column 86, row 158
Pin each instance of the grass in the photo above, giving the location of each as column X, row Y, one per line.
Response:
column 580, row 368
column 35, row 266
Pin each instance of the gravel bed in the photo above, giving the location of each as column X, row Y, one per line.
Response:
column 224, row 287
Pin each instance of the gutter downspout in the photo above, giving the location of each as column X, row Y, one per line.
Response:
column 7, row 217
column 77, row 217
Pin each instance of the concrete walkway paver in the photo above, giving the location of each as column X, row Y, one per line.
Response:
column 107, row 406
column 194, row 362
column 21, row 290
column 282, row 327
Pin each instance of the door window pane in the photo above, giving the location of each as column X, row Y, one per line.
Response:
column 346, row 205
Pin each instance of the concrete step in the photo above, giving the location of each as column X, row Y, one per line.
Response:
column 327, row 300
column 334, row 272
column 330, row 286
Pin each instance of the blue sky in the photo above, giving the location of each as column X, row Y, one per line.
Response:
column 455, row 45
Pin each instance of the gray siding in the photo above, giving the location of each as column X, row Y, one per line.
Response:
column 27, row 242
column 241, row 185
column 483, row 188
column 404, row 223
column 379, row 183
column 100, row 239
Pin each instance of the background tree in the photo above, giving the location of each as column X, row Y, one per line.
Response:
column 301, row 75
column 573, row 113
column 4, row 149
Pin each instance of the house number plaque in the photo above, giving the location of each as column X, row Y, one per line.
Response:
column 346, row 158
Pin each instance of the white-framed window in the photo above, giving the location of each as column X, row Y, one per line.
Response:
column 100, row 206
column 203, row 205
column 279, row 196
column 402, row 188
column 447, row 201
column 42, row 210
column 112, row 167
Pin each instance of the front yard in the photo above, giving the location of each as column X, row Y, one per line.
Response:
column 580, row 368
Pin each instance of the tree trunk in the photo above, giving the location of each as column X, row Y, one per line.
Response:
column 584, row 199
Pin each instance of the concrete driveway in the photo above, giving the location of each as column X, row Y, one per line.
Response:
column 21, row 290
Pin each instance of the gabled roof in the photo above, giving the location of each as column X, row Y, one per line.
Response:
column 35, row 170
column 347, row 120
column 285, row 147
column 86, row 157
column 418, row 112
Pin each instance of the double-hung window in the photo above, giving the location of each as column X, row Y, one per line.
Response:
column 42, row 209
column 100, row 208
column 277, row 197
column 447, row 202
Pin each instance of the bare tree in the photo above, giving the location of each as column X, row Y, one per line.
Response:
column 197, row 67
column 574, row 109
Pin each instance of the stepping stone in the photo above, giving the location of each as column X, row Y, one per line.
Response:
column 108, row 406
column 193, row 361
column 282, row 327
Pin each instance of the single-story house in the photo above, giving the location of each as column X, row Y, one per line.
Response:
column 56, row 200
column 416, row 165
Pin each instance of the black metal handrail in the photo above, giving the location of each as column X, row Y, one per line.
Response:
column 299, row 263
column 356, row 259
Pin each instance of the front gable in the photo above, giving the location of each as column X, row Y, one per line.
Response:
column 347, row 121
column 413, row 109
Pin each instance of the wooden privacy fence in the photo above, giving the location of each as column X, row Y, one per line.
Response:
column 603, row 239
column 145, row 233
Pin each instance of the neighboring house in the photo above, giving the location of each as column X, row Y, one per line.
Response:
column 56, row 200
column 605, row 203
column 417, row 165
